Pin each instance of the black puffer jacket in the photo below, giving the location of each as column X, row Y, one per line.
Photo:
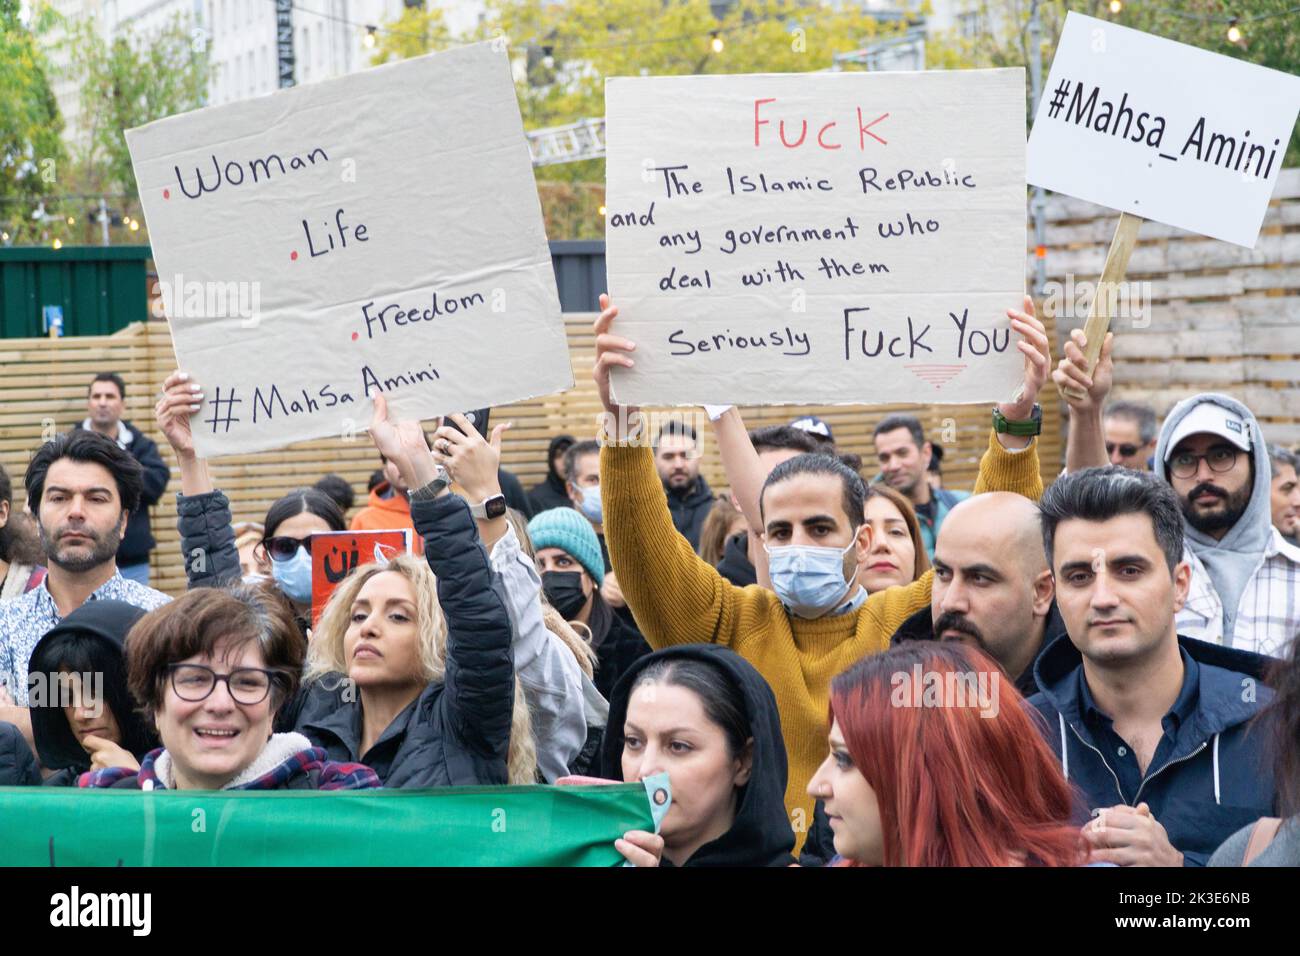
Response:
column 457, row 732
column 17, row 765
column 207, row 540
column 760, row 835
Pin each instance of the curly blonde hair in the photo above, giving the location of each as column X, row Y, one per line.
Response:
column 325, row 652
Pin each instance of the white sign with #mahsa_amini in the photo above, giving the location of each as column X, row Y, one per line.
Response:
column 388, row 226
column 1162, row 130
column 817, row 238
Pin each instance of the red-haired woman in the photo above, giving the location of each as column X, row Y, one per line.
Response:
column 934, row 761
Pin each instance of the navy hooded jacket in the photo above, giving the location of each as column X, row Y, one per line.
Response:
column 1217, row 776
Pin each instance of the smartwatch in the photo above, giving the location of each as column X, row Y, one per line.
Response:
column 489, row 508
column 1025, row 429
column 436, row 485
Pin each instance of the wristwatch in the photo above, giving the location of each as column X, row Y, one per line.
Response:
column 489, row 508
column 434, row 487
column 1034, row 425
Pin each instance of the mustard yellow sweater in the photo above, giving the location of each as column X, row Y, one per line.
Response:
column 677, row 598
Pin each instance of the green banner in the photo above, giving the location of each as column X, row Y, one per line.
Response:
column 454, row 826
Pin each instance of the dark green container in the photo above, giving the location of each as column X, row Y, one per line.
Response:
column 99, row 288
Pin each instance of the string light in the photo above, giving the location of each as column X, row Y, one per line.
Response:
column 1234, row 32
column 57, row 244
column 72, row 220
column 716, row 43
column 601, row 210
column 1116, row 6
column 135, row 226
column 369, row 39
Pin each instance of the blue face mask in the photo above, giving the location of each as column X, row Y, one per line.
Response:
column 294, row 576
column 809, row 580
column 591, row 505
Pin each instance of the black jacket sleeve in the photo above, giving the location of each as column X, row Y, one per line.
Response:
column 156, row 473
column 479, row 687
column 514, row 493
column 207, row 540
column 17, row 764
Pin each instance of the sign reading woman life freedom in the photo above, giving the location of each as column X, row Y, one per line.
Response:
column 817, row 238
column 379, row 232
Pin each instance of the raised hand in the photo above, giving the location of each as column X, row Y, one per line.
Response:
column 402, row 443
column 472, row 461
column 1085, row 393
column 181, row 399
column 1037, row 351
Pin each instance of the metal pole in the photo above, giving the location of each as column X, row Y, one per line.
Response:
column 103, row 222
column 1039, row 203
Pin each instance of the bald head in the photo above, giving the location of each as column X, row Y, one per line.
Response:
column 992, row 587
column 1005, row 522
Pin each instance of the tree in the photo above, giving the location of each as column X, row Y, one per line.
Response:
column 31, row 149
column 131, row 81
column 416, row 32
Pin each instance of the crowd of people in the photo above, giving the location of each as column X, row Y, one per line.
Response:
column 837, row 662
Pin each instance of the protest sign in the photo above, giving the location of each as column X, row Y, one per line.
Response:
column 449, row 826
column 816, row 238
column 1162, row 130
column 379, row 231
column 336, row 554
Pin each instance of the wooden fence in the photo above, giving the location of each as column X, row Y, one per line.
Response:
column 1219, row 317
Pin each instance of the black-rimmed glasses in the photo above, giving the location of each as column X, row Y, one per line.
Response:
column 1220, row 459
column 246, row 685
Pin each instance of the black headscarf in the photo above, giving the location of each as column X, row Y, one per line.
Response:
column 761, row 834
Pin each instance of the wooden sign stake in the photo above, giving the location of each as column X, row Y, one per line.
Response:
column 1105, row 301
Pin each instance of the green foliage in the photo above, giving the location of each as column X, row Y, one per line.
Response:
column 31, row 150
column 417, row 31
column 130, row 82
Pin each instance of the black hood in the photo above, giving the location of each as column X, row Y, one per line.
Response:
column 554, row 477
column 761, row 834
column 107, row 622
column 735, row 565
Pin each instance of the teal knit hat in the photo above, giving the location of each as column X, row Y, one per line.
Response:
column 568, row 530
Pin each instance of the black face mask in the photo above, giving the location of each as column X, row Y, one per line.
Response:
column 564, row 590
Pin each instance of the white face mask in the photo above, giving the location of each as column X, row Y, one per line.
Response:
column 294, row 576
column 808, row 579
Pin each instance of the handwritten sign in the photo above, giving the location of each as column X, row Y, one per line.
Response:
column 1162, row 130
column 336, row 554
column 816, row 238
column 376, row 232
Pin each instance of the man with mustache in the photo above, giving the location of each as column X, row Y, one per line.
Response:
column 992, row 587
column 82, row 488
column 690, row 499
column 1245, row 575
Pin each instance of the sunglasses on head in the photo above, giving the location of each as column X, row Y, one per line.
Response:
column 283, row 548
column 1127, row 451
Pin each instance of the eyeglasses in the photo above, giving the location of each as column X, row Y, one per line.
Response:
column 283, row 548
column 1220, row 459
column 195, row 682
column 1127, row 451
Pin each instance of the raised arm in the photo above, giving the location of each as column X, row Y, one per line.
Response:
column 547, row 669
column 676, row 597
column 479, row 685
column 203, row 513
column 1085, row 442
column 745, row 476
